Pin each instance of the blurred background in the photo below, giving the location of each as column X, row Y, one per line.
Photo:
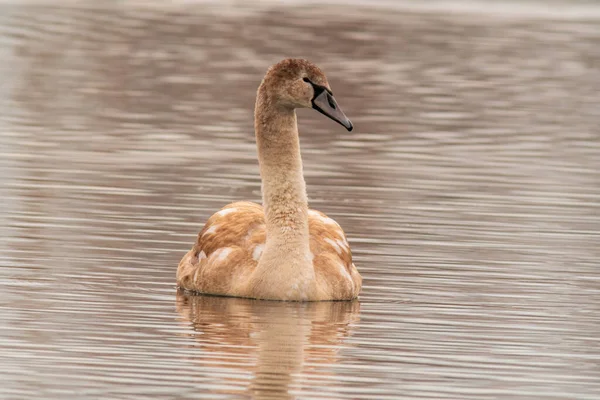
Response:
column 469, row 190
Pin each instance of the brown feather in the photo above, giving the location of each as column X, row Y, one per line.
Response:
column 241, row 230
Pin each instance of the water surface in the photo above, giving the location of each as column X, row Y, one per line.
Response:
column 469, row 191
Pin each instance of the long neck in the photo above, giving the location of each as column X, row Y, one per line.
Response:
column 283, row 186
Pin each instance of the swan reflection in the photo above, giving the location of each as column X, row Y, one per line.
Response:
column 284, row 341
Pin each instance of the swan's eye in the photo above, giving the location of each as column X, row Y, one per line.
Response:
column 305, row 79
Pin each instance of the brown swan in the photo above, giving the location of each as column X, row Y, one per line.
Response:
column 281, row 250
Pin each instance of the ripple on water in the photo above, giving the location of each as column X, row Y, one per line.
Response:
column 468, row 191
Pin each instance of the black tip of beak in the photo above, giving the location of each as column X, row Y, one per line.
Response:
column 350, row 127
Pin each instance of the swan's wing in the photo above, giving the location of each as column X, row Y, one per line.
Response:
column 227, row 250
column 332, row 258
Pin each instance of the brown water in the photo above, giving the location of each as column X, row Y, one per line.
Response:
column 470, row 191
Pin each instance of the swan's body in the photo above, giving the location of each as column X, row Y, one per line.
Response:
column 286, row 252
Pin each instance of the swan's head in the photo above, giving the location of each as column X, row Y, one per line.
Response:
column 297, row 83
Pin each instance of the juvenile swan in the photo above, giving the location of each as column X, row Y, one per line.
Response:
column 286, row 252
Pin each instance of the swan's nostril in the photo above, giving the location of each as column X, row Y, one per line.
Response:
column 331, row 102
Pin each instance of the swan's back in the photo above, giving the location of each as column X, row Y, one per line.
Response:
column 231, row 243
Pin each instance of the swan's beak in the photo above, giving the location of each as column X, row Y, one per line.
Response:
column 326, row 104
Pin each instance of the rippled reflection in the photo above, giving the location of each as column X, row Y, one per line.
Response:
column 276, row 342
column 468, row 190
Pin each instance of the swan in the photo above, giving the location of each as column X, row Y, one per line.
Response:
column 281, row 250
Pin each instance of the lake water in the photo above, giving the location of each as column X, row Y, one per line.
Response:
column 469, row 190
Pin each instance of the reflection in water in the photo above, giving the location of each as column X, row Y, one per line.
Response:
column 282, row 341
column 468, row 190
